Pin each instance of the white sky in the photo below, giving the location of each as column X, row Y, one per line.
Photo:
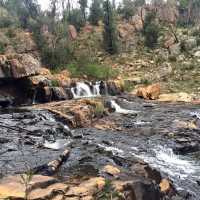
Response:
column 45, row 3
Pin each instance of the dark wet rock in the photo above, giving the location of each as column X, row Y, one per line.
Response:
column 53, row 166
column 146, row 171
column 6, row 101
column 142, row 190
column 58, row 94
column 114, row 88
column 187, row 148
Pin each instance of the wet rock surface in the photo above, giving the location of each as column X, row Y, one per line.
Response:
column 155, row 133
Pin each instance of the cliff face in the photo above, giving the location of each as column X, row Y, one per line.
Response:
column 19, row 59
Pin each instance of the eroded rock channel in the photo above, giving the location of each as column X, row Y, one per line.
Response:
column 166, row 136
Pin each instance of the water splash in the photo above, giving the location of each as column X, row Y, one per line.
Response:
column 174, row 165
column 195, row 114
column 84, row 90
column 58, row 144
column 118, row 109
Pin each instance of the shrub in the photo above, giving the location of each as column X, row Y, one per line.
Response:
column 92, row 70
column 75, row 18
column 2, row 48
column 55, row 83
column 96, row 12
column 151, row 30
column 99, row 110
column 128, row 87
column 6, row 19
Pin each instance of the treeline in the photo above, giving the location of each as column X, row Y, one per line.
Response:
column 50, row 27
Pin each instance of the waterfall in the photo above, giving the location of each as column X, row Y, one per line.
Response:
column 118, row 109
column 84, row 90
column 34, row 97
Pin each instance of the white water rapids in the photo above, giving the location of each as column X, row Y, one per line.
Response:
column 85, row 90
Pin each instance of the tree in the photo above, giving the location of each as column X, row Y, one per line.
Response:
column 151, row 30
column 127, row 9
column 75, row 18
column 83, row 6
column 109, row 35
column 96, row 12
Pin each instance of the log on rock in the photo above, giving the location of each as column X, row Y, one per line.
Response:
column 52, row 167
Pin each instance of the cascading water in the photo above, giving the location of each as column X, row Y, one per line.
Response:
column 84, row 90
column 118, row 109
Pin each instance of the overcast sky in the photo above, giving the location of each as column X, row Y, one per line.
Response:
column 45, row 3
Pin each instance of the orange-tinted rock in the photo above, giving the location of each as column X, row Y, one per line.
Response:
column 72, row 32
column 150, row 92
column 176, row 97
column 165, row 185
column 18, row 66
column 13, row 187
column 109, row 169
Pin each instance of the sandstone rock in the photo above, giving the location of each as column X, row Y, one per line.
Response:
column 58, row 94
column 190, row 43
column 40, row 80
column 13, row 187
column 169, row 41
column 48, row 192
column 176, row 97
column 86, row 188
column 150, row 92
column 25, row 43
column 111, row 170
column 197, row 54
column 137, row 22
column 115, row 87
column 165, row 70
column 18, row 66
column 142, row 190
column 175, row 49
column 72, row 32
column 88, row 28
column 44, row 72
column 165, row 186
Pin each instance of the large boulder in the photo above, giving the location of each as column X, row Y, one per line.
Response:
column 150, row 92
column 39, row 187
column 18, row 66
column 190, row 44
column 142, row 189
column 72, row 32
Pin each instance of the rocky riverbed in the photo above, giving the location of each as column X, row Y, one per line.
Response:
column 142, row 142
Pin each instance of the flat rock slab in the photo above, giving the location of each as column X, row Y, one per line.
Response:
column 40, row 187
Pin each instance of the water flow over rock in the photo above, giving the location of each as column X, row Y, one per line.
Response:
column 86, row 90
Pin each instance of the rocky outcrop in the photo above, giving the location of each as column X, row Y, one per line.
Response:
column 150, row 92
column 39, row 187
column 72, row 32
column 176, row 97
column 18, row 66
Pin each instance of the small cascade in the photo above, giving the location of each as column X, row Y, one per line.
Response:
column 34, row 97
column 118, row 109
column 84, row 90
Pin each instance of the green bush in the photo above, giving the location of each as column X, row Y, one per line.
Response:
column 99, row 110
column 151, row 30
column 55, row 83
column 93, row 71
column 2, row 48
column 75, row 18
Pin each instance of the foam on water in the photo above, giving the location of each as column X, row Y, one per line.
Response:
column 174, row 165
column 118, row 109
column 84, row 90
column 58, row 144
column 196, row 114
